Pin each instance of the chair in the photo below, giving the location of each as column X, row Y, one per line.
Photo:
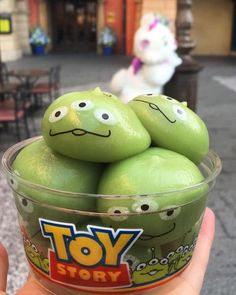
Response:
column 14, row 109
column 8, row 78
column 51, row 87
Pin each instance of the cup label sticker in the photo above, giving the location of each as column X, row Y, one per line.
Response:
column 90, row 259
column 103, row 258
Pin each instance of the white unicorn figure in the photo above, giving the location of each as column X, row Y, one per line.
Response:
column 154, row 62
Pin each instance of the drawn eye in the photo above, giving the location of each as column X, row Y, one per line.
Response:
column 13, row 183
column 34, row 248
column 145, row 205
column 171, row 254
column 164, row 261
column 120, row 212
column 180, row 112
column 191, row 248
column 169, row 213
column 131, row 260
column 58, row 114
column 26, row 205
column 82, row 105
column 153, row 261
column 169, row 98
column 141, row 266
column 186, row 248
column 185, row 251
column 105, row 117
column 180, row 249
column 149, row 94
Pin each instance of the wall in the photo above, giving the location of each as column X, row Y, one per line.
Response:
column 133, row 15
column 22, row 26
column 33, row 12
column 113, row 17
column 13, row 45
column 165, row 7
column 9, row 44
column 44, row 19
column 212, row 27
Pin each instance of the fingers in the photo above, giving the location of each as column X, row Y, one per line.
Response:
column 3, row 268
column 198, row 265
column 190, row 280
column 32, row 287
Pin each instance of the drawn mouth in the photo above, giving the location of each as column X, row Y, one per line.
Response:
column 155, row 107
column 151, row 273
column 79, row 132
column 145, row 237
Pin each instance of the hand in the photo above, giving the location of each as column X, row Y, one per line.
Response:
column 188, row 282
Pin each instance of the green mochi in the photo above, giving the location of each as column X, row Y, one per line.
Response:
column 158, row 200
column 93, row 126
column 40, row 165
column 172, row 125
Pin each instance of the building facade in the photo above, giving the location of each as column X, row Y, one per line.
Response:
column 75, row 25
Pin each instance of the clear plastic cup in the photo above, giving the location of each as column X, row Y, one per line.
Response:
column 71, row 251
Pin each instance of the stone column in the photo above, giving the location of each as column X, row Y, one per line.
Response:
column 22, row 25
column 100, row 22
column 183, row 85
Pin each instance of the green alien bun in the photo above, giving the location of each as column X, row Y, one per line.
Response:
column 172, row 125
column 155, row 170
column 93, row 126
column 149, row 175
column 39, row 164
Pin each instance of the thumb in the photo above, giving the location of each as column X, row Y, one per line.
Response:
column 3, row 268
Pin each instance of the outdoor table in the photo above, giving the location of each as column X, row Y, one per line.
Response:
column 7, row 88
column 28, row 77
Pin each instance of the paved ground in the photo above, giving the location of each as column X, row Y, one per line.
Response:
column 216, row 105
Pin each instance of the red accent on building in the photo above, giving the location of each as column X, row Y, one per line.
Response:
column 130, row 25
column 113, row 17
column 33, row 12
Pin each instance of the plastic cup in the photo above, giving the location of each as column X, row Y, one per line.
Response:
column 79, row 252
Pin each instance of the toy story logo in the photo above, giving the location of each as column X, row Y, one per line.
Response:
column 93, row 258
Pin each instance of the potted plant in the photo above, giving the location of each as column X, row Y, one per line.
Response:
column 38, row 40
column 107, row 39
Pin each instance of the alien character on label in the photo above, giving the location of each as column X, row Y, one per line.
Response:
column 186, row 255
column 93, row 126
column 35, row 256
column 172, row 125
column 152, row 270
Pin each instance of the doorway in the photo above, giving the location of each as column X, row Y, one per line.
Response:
column 74, row 25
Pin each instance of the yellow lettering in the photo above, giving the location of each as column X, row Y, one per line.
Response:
column 84, row 274
column 61, row 269
column 114, row 275
column 72, row 270
column 112, row 251
column 99, row 276
column 58, row 234
column 85, row 251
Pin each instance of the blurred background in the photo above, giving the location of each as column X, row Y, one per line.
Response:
column 50, row 47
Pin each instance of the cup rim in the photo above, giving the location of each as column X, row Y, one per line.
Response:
column 212, row 156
